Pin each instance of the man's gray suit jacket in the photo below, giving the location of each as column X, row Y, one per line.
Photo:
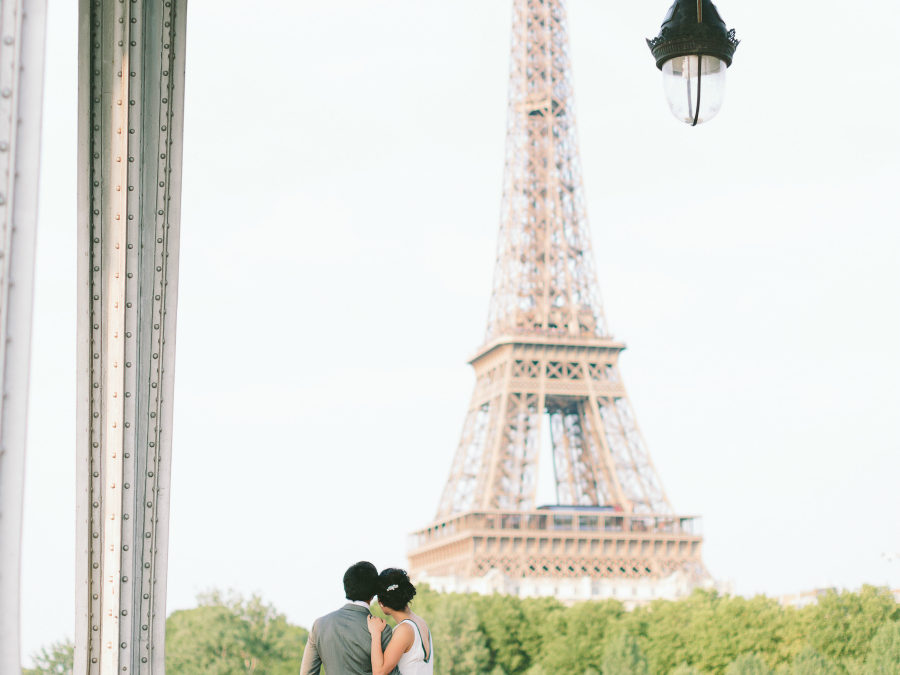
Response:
column 341, row 641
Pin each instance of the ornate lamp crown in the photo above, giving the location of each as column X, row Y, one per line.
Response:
column 693, row 27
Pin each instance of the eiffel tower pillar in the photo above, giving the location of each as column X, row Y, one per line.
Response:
column 22, row 34
column 549, row 361
column 130, row 113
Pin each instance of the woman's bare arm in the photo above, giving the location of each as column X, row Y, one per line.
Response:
column 384, row 662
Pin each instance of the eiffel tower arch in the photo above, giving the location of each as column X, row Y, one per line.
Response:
column 548, row 359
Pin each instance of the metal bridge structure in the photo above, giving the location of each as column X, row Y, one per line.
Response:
column 131, row 66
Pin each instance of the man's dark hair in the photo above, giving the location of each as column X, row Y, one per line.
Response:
column 360, row 581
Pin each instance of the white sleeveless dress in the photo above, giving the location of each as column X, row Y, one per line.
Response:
column 414, row 662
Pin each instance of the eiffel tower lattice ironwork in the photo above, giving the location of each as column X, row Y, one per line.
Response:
column 548, row 359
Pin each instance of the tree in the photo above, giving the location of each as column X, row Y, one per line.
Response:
column 574, row 638
column 811, row 662
column 623, row 656
column 57, row 659
column 884, row 651
column 460, row 647
column 229, row 634
column 749, row 663
column 685, row 669
column 843, row 624
column 503, row 623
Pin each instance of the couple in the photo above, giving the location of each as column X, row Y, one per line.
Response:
column 351, row 641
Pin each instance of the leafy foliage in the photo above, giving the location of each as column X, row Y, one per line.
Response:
column 704, row 634
column 812, row 662
column 230, row 634
column 57, row 659
column 748, row 664
column 623, row 656
column 884, row 652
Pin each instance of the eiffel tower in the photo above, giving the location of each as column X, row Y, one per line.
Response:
column 549, row 369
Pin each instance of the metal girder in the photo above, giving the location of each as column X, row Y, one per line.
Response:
column 130, row 118
column 22, row 34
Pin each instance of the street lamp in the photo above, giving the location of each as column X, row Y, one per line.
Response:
column 693, row 50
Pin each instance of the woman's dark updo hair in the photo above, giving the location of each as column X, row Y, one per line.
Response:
column 401, row 589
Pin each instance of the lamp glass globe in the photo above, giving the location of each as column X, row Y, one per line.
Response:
column 694, row 86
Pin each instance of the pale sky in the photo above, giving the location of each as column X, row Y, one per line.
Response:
column 342, row 182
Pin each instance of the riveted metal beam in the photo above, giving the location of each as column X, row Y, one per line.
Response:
column 22, row 33
column 131, row 94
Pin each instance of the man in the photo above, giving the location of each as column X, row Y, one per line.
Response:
column 341, row 641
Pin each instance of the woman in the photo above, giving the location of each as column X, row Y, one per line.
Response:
column 410, row 647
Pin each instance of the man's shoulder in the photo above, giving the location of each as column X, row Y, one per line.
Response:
column 342, row 613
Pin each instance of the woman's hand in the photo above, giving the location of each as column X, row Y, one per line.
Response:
column 375, row 625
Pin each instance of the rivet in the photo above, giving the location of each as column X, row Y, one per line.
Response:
column 8, row 40
column 124, row 581
column 150, row 473
column 96, row 504
column 96, row 474
column 95, row 566
column 127, row 485
column 146, row 596
column 7, row 92
column 125, row 547
column 124, row 516
column 4, row 146
column 123, row 645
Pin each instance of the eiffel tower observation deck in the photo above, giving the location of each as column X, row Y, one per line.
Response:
column 548, row 369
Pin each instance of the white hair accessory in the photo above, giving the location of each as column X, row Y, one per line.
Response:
column 393, row 587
